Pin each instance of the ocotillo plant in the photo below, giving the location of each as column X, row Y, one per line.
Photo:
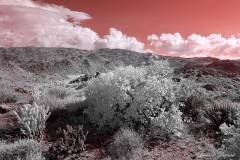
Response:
column 32, row 119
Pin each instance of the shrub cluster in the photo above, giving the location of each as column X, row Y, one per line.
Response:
column 134, row 97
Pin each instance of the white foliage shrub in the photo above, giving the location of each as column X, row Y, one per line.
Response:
column 129, row 96
column 159, row 69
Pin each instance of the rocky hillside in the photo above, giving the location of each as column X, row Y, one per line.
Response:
column 34, row 64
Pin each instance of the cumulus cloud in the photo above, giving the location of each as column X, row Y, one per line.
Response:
column 117, row 39
column 31, row 23
column 196, row 45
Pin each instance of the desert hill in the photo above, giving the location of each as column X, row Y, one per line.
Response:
column 28, row 62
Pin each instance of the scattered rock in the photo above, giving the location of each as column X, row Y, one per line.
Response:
column 194, row 156
column 199, row 74
column 198, row 79
column 187, row 76
column 230, row 87
column 2, row 110
column 237, row 79
column 84, row 78
column 231, row 75
column 205, row 72
column 21, row 90
column 81, row 86
column 210, row 87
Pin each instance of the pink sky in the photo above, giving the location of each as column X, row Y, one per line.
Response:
column 184, row 28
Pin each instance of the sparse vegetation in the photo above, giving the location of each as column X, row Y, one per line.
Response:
column 26, row 149
column 42, row 97
column 170, row 117
column 58, row 91
column 7, row 95
column 72, row 141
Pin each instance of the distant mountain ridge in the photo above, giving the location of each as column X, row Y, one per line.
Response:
column 44, row 62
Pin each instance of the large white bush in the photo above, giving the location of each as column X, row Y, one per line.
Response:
column 130, row 96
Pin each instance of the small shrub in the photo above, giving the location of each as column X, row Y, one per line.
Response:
column 72, row 142
column 168, row 125
column 51, row 101
column 7, row 95
column 159, row 69
column 126, row 143
column 32, row 119
column 58, row 91
column 186, row 89
column 44, row 98
column 22, row 149
column 231, row 143
column 191, row 104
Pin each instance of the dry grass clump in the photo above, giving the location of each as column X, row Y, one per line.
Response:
column 7, row 95
column 58, row 91
column 126, row 143
column 52, row 97
column 21, row 150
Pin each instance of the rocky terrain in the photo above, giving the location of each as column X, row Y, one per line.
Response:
column 29, row 68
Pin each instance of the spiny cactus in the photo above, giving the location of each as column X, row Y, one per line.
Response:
column 32, row 119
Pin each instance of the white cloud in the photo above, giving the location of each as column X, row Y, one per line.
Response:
column 213, row 44
column 117, row 40
column 28, row 23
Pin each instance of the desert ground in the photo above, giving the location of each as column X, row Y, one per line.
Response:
column 31, row 74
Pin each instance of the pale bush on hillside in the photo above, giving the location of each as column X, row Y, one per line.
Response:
column 58, row 91
column 42, row 97
column 159, row 69
column 168, row 125
column 110, row 93
column 7, row 95
column 186, row 89
column 127, row 96
column 231, row 143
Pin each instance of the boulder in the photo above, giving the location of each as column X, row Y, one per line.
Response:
column 2, row 110
column 210, row 87
column 20, row 90
column 84, row 78
column 199, row 74
column 187, row 76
